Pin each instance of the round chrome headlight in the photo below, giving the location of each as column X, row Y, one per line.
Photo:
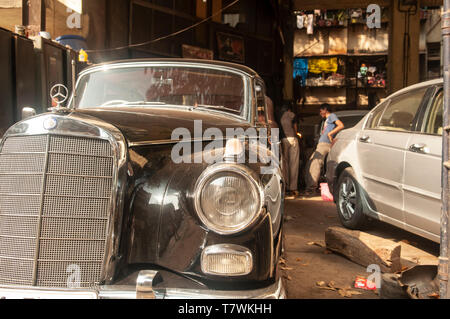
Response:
column 227, row 198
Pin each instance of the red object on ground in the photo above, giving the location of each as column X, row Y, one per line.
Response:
column 362, row 283
column 325, row 192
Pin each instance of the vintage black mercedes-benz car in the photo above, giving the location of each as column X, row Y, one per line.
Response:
column 145, row 185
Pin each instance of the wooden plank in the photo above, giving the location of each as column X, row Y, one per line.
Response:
column 352, row 4
column 334, row 5
column 412, row 256
column 364, row 249
column 431, row 3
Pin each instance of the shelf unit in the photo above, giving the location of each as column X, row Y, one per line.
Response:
column 352, row 61
column 352, row 47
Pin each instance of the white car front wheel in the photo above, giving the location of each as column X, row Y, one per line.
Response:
column 349, row 203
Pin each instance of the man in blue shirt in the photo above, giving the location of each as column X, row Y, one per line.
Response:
column 331, row 126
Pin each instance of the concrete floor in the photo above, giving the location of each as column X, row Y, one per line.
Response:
column 307, row 262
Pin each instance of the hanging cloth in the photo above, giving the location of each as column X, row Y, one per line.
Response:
column 301, row 69
column 300, row 21
column 310, row 24
column 318, row 66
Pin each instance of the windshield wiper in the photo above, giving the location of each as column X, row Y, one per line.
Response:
column 216, row 107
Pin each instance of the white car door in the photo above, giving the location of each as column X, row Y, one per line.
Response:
column 422, row 181
column 381, row 149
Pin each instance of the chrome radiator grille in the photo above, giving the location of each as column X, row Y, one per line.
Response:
column 55, row 194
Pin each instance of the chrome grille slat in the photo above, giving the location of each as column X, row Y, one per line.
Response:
column 25, row 204
column 69, row 228
column 14, row 163
column 32, row 144
column 48, row 273
column 71, row 145
column 63, row 199
column 90, row 166
column 17, row 247
column 78, row 186
column 80, row 207
column 16, row 272
column 70, row 250
column 27, row 226
column 21, row 184
column 80, row 154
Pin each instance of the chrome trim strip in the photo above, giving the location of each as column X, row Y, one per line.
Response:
column 272, row 264
column 160, row 142
column 45, row 293
column 192, row 140
column 41, row 208
column 274, row 291
column 162, row 64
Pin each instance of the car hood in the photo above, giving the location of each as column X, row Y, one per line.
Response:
column 157, row 124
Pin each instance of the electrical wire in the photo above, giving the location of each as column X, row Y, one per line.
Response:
column 166, row 36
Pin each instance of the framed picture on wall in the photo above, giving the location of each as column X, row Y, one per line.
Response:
column 230, row 47
column 192, row 52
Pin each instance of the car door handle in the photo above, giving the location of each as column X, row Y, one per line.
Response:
column 364, row 139
column 419, row 148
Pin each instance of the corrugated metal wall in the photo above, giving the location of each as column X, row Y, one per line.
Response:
column 6, row 81
column 28, row 70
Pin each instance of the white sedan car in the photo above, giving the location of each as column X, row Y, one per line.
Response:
column 388, row 166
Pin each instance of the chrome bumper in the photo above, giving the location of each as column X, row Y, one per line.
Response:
column 274, row 291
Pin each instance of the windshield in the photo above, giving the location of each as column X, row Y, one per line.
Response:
column 152, row 86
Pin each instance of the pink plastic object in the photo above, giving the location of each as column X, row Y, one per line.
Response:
column 325, row 192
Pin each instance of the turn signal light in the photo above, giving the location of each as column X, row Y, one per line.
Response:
column 226, row 260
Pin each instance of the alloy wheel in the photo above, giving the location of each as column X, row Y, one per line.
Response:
column 347, row 198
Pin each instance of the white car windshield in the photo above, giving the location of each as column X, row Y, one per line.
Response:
column 150, row 86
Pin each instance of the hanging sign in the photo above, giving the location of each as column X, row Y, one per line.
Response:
column 75, row 5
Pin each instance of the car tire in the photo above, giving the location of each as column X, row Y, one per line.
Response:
column 350, row 201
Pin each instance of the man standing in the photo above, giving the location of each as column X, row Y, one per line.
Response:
column 291, row 150
column 331, row 126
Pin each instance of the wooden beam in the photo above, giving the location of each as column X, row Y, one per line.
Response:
column 351, row 4
column 334, row 5
column 166, row 10
column 25, row 12
column 403, row 59
column 216, row 7
column 201, row 9
column 36, row 14
column 364, row 249
column 431, row 3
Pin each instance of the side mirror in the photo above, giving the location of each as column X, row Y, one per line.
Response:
column 28, row 112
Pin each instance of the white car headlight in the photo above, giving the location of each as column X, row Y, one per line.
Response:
column 227, row 198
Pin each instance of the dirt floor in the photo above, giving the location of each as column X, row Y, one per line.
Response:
column 306, row 262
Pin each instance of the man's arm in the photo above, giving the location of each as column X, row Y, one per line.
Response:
column 339, row 127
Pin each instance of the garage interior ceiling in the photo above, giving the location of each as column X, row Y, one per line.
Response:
column 349, row 4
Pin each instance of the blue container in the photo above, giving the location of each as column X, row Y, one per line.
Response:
column 76, row 42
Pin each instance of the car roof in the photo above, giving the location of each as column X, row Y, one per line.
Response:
column 342, row 113
column 417, row 86
column 351, row 113
column 204, row 62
